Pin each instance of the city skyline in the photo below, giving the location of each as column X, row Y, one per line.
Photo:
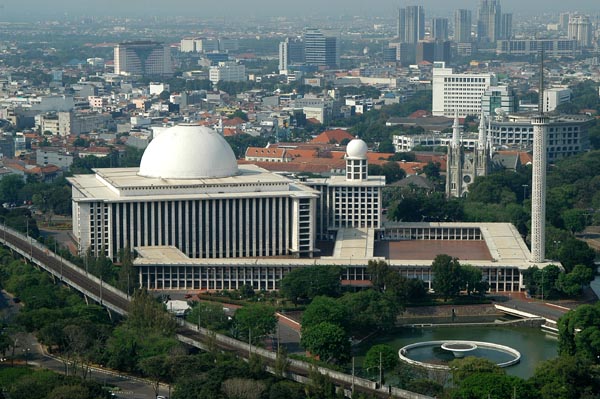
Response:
column 31, row 9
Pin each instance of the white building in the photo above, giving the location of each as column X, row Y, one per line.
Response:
column 228, row 71
column 580, row 29
column 144, row 58
column 554, row 97
column 458, row 92
column 190, row 193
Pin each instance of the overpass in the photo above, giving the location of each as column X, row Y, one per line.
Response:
column 86, row 283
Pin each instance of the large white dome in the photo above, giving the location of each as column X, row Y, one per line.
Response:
column 356, row 148
column 188, row 152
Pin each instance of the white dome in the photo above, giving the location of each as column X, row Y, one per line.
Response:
column 188, row 152
column 356, row 149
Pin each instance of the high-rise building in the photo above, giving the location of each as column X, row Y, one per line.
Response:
column 414, row 24
column 461, row 93
column 462, row 26
column 401, row 25
column 321, row 48
column 144, row 58
column 433, row 51
column 498, row 98
column 291, row 51
column 228, row 71
column 563, row 21
column 506, row 26
column 439, row 29
column 580, row 29
column 489, row 21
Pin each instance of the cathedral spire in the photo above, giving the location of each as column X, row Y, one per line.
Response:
column 482, row 139
column 455, row 131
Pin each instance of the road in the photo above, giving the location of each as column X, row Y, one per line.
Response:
column 62, row 270
column 29, row 350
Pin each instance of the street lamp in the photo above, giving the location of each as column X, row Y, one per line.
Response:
column 26, row 353
column 525, row 191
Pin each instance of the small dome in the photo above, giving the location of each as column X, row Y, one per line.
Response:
column 188, row 152
column 356, row 149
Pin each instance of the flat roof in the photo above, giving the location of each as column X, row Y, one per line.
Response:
column 124, row 184
column 429, row 249
column 501, row 246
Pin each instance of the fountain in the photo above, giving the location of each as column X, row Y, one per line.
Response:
column 459, row 349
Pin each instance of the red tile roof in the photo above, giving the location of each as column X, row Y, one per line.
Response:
column 330, row 136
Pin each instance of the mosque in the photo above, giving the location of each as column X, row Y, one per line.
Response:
column 197, row 220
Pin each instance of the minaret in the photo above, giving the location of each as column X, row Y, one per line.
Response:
column 454, row 162
column 357, row 165
column 538, row 180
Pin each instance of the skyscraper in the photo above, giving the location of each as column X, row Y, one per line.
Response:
column 580, row 29
column 291, row 51
column 414, row 24
column 144, row 58
column 462, row 26
column 506, row 26
column 321, row 48
column 401, row 25
column 489, row 21
column 439, row 29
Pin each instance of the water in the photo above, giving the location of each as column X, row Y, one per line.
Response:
column 534, row 344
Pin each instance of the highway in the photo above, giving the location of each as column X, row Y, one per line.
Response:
column 87, row 284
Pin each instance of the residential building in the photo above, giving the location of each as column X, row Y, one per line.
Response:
column 228, row 71
column 143, row 58
column 580, row 29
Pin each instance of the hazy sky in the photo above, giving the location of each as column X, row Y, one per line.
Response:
column 37, row 8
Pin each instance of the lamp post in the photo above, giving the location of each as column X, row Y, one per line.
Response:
column 525, row 191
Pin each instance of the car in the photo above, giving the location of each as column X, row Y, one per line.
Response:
column 161, row 397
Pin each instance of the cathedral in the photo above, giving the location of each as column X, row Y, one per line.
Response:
column 462, row 168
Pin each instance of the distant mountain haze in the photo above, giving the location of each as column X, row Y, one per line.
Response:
column 28, row 9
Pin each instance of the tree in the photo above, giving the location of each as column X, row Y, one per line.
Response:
column 10, row 187
column 304, row 284
column 385, row 353
column 370, row 309
column 574, row 219
column 328, row 341
column 572, row 283
column 490, row 385
column 322, row 309
column 566, row 377
column 392, row 172
column 579, row 332
column 209, row 315
column 432, row 170
column 472, row 280
column 155, row 368
column 575, row 252
column 463, row 368
column 242, row 388
column 255, row 321
column 447, row 276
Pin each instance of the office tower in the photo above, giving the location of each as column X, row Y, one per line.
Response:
column 291, row 52
column 439, row 29
column 506, row 26
column 489, row 21
column 458, row 92
column 144, row 58
column 580, row 29
column 563, row 21
column 228, row 71
column 462, row 26
column 401, row 25
column 433, row 51
column 414, row 24
column 321, row 48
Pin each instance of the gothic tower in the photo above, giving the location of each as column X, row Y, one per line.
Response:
column 454, row 163
column 482, row 150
